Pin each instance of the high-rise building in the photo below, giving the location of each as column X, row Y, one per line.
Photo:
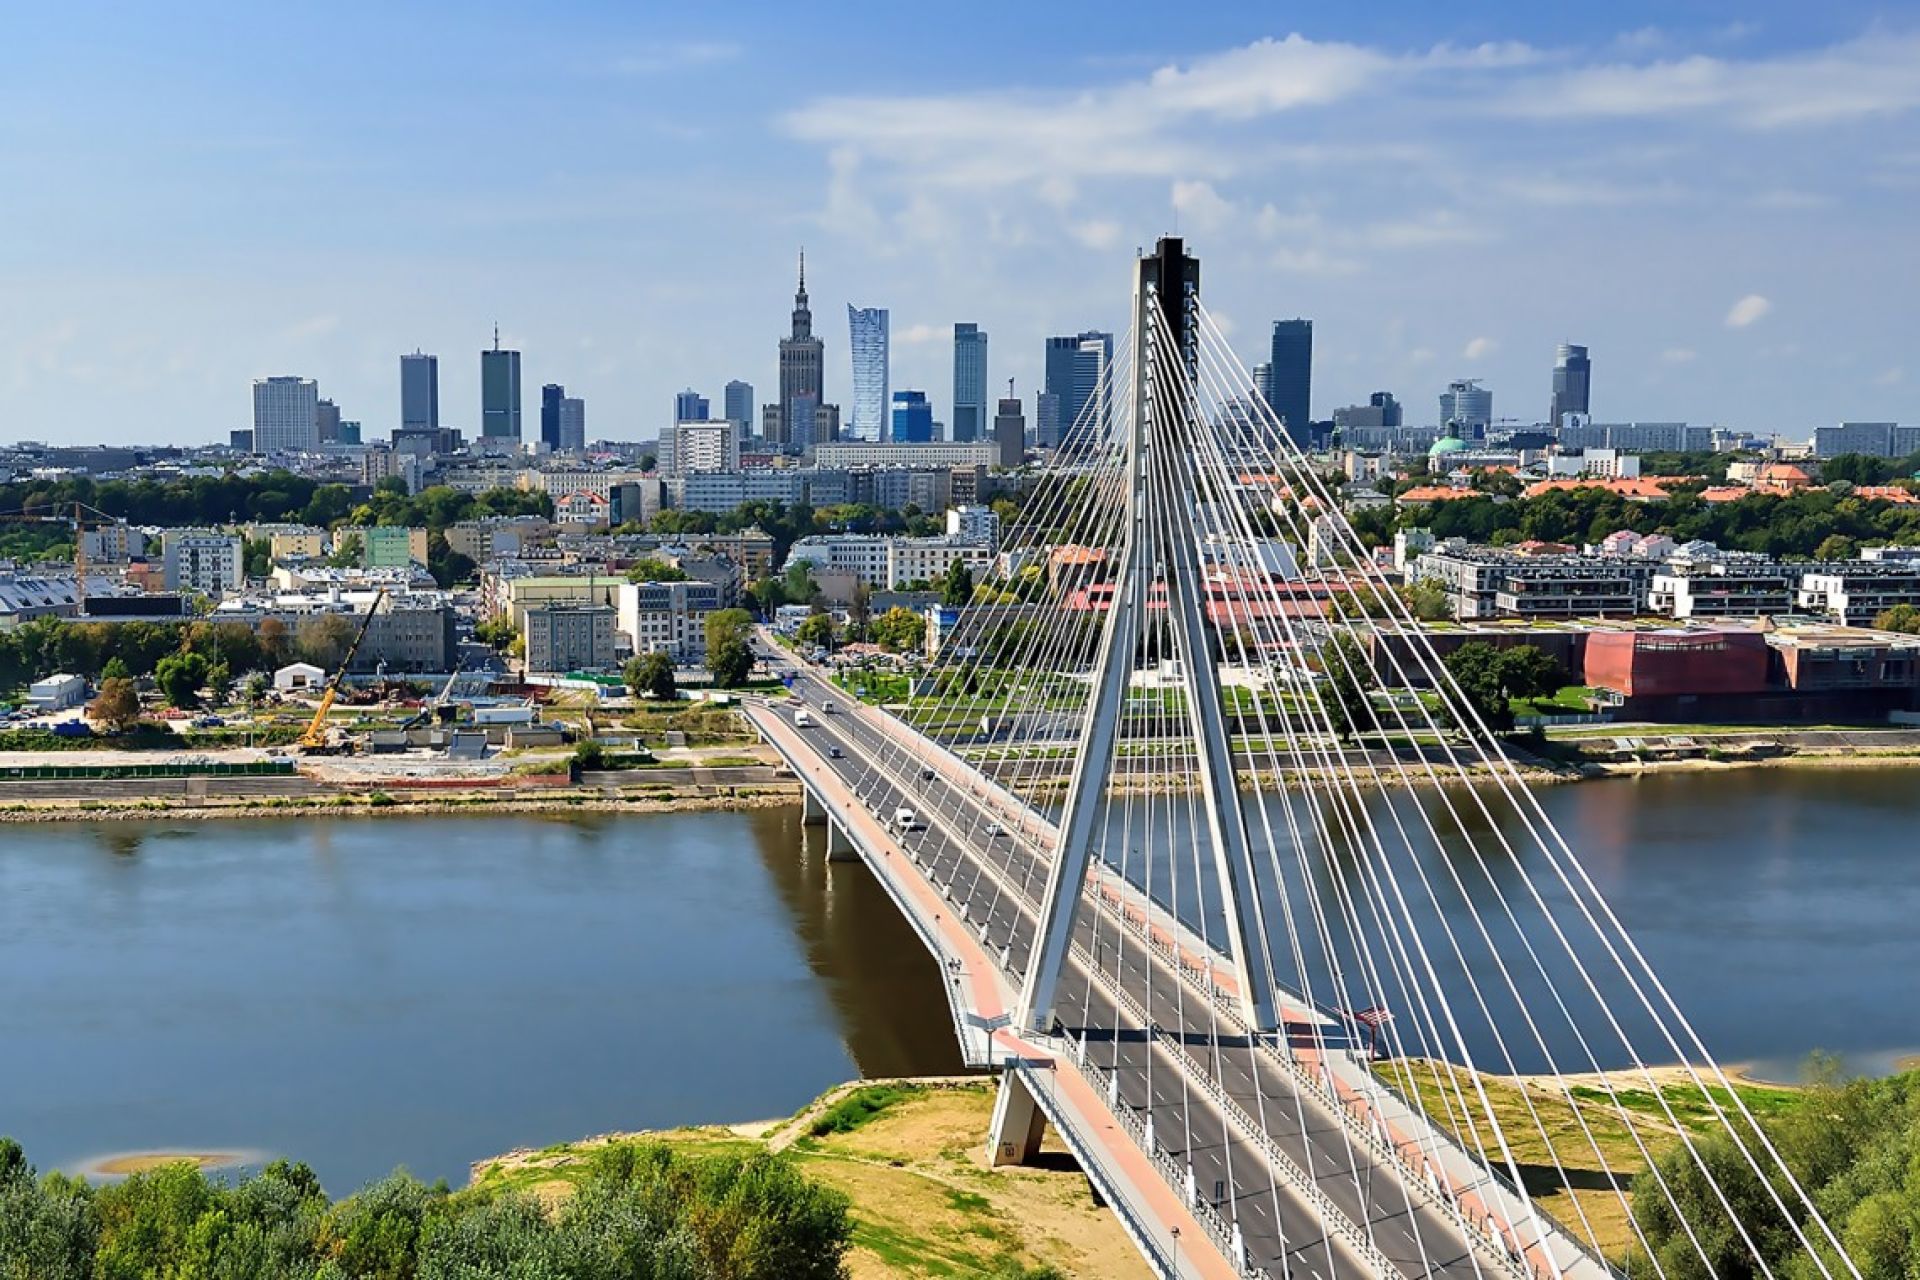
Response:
column 500, row 393
column 691, row 406
column 867, row 330
column 802, row 360
column 1091, row 405
column 1010, row 432
column 1290, row 377
column 969, row 382
column 420, row 392
column 703, row 446
column 1471, row 405
column 285, row 415
column 826, row 424
column 1075, row 368
column 573, row 425
column 806, row 423
column 1380, row 410
column 1572, row 384
column 738, row 402
column 326, row 421
column 550, row 397
column 1263, row 380
column 912, row 418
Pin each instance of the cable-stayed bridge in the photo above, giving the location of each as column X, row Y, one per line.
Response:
column 1245, row 903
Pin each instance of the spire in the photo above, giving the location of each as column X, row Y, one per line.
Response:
column 496, row 335
column 803, row 269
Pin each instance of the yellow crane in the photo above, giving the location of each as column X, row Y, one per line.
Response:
column 316, row 735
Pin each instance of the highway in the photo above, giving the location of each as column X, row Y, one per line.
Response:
column 1164, row 1042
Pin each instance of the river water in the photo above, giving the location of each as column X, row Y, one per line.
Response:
column 366, row 993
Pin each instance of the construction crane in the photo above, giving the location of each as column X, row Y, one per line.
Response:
column 80, row 521
column 315, row 738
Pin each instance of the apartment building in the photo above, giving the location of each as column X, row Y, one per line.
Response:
column 569, row 637
column 668, row 617
column 203, row 560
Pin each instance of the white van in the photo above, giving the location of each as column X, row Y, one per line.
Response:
column 801, row 720
column 906, row 820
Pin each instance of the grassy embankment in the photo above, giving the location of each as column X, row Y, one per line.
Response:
column 911, row 1157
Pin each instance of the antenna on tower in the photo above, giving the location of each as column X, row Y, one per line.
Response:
column 496, row 335
column 1010, row 394
column 803, row 268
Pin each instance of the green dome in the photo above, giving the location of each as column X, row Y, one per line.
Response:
column 1445, row 445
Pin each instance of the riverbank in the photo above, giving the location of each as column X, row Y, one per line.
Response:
column 911, row 1156
column 378, row 803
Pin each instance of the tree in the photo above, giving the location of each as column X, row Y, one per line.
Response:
column 816, row 632
column 651, row 675
column 1836, row 546
column 180, row 677
column 899, row 630
column 1491, row 677
column 115, row 669
column 1902, row 617
column 116, row 706
column 497, row 631
column 323, row 640
column 348, row 551
column 1529, row 673
column 860, row 611
column 1347, row 688
column 729, row 653
column 654, row 569
column 956, row 589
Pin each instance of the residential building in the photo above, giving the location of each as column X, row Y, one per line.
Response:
column 1291, row 378
column 1723, row 586
column 1572, row 384
column 1878, row 439
column 291, row 541
column 1010, row 434
column 1855, row 592
column 483, row 541
column 868, row 345
column 499, row 395
column 912, row 418
column 667, row 617
column 1469, row 405
column 419, row 392
column 969, row 383
column 696, row 446
column 569, row 637
column 691, row 406
column 1637, row 437
column 886, row 563
column 737, row 400
column 114, row 543
column 409, row 631
column 387, row 546
column 1488, row 582
column 286, row 415
column 379, row 462
column 203, row 560
column 974, row 524
column 802, row 363
column 846, row 455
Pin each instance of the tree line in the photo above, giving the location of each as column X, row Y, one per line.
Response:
column 641, row 1211
column 123, row 650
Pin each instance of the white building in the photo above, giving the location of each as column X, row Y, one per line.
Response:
column 974, row 524
column 204, row 560
column 286, row 415
column 929, row 559
column 298, row 675
column 57, row 692
column 667, row 617
column 846, row 455
column 689, row 448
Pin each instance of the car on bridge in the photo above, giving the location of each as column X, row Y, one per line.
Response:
column 907, row 820
column 801, row 720
column 835, row 753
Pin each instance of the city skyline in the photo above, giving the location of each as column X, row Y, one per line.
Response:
column 1718, row 209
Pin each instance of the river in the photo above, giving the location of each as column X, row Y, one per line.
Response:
column 364, row 993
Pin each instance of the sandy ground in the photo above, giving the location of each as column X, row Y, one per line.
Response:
column 131, row 1162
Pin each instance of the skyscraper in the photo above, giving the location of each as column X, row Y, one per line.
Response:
column 573, row 425
column 969, row 382
column 1010, row 432
column 1290, row 377
column 1468, row 403
column 912, row 418
column 550, row 397
column 1091, row 405
column 326, row 422
column 285, row 415
column 500, row 393
column 1263, row 380
column 802, row 359
column 867, row 330
column 1572, row 383
column 738, row 402
column 1075, row 367
column 691, row 406
column 419, row 392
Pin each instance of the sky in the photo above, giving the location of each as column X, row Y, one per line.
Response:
column 1721, row 200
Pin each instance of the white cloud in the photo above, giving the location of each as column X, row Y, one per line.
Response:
column 1200, row 205
column 1098, row 234
column 1478, row 348
column 1679, row 355
column 1876, row 74
column 1890, row 377
column 1746, row 311
column 916, row 334
column 1312, row 262
column 312, row 327
column 675, row 55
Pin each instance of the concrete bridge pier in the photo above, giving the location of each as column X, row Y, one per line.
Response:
column 1018, row 1122
column 813, row 811
column 839, row 843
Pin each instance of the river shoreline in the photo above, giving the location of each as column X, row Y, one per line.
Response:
column 382, row 804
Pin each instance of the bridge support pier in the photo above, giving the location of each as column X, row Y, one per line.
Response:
column 813, row 811
column 1018, row 1123
column 840, row 844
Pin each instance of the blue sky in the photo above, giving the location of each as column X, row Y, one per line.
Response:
column 1721, row 204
